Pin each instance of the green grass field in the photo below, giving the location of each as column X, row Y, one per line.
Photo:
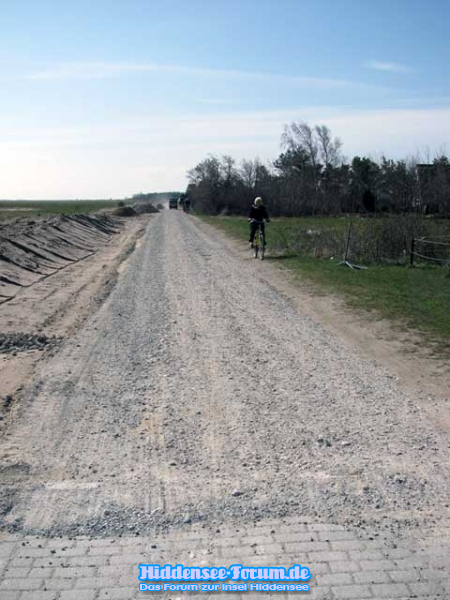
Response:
column 10, row 209
column 282, row 230
column 416, row 298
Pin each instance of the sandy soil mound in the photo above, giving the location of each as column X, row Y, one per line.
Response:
column 32, row 250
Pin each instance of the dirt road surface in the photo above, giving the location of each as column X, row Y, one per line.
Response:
column 201, row 416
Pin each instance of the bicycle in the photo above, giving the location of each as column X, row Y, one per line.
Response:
column 259, row 241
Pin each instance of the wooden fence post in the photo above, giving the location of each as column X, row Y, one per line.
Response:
column 348, row 241
column 411, row 256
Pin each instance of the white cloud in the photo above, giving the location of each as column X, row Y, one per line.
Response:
column 391, row 67
column 154, row 152
column 102, row 70
column 217, row 101
column 89, row 70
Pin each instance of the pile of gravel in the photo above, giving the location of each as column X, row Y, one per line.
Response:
column 125, row 211
column 145, row 208
column 11, row 343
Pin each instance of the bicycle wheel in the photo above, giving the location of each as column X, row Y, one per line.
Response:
column 256, row 244
column 262, row 241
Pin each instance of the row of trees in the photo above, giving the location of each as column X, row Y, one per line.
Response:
column 311, row 177
column 153, row 197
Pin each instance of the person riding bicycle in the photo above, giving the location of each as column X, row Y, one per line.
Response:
column 257, row 215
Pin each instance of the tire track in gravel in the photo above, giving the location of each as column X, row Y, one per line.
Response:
column 199, row 393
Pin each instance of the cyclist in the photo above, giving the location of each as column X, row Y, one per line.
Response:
column 256, row 217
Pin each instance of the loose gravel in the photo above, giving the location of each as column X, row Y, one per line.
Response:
column 11, row 343
column 199, row 393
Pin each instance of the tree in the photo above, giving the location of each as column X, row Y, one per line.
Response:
column 364, row 183
column 310, row 156
column 329, row 149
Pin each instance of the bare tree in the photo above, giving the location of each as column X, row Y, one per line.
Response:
column 299, row 137
column 329, row 149
column 227, row 167
column 249, row 172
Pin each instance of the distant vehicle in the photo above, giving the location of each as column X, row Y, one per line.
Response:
column 173, row 203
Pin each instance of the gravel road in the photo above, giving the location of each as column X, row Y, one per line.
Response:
column 198, row 393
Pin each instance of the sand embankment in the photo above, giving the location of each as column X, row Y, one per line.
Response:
column 32, row 250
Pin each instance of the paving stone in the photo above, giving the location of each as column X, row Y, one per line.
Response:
column 45, row 562
column 95, row 582
column 318, row 568
column 434, row 574
column 133, row 559
column 112, row 570
column 288, row 527
column 329, row 536
column 104, row 550
column 439, row 562
column 324, row 527
column 404, row 564
column 350, row 592
column 85, row 569
column 242, row 551
column 20, row 584
column 306, row 521
column 346, row 566
column 78, row 595
column 371, row 577
column 106, row 543
column 7, row 549
column 390, row 590
column 16, row 572
column 274, row 548
column 59, row 543
column 39, row 595
column 59, row 584
column 317, row 593
column 247, row 540
column 335, row 579
column 74, row 572
column 86, row 561
column 62, row 554
column 123, row 593
column 326, row 556
column 41, row 572
column 130, row 579
column 16, row 562
column 377, row 565
column 366, row 555
column 293, row 537
column 410, row 576
column 393, row 553
column 345, row 545
column 26, row 552
column 304, row 547
column 34, row 542
column 426, row 588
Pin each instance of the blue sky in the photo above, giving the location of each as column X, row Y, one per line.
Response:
column 108, row 98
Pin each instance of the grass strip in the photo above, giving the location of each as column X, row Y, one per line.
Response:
column 10, row 209
column 417, row 298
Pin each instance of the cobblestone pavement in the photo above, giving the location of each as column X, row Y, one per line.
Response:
column 345, row 563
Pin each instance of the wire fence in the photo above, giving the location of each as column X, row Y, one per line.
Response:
column 434, row 251
column 393, row 240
